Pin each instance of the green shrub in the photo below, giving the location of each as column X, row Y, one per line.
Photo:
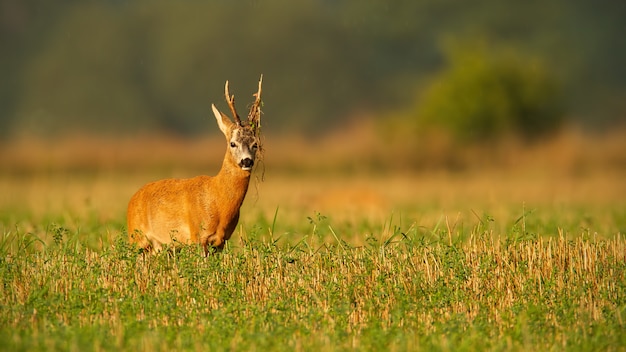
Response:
column 481, row 95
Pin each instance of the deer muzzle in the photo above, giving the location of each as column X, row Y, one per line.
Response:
column 246, row 164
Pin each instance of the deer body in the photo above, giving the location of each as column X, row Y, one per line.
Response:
column 202, row 209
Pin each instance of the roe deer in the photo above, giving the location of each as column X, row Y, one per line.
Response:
column 203, row 209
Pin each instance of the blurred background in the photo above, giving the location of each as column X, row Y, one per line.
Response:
column 417, row 81
column 428, row 109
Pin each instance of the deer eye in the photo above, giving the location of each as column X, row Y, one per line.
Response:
column 232, row 144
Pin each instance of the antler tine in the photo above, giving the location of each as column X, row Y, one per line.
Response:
column 254, row 116
column 230, row 99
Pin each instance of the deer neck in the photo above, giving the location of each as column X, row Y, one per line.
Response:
column 233, row 180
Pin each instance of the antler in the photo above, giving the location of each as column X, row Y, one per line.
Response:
column 230, row 99
column 254, row 116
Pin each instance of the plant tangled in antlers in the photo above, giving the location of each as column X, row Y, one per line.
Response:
column 254, row 116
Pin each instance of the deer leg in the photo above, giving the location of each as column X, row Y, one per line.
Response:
column 214, row 241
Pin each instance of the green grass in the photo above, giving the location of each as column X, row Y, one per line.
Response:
column 463, row 262
column 400, row 289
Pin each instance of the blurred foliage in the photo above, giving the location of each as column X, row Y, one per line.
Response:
column 124, row 66
column 483, row 94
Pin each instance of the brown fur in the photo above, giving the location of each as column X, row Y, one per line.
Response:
column 202, row 209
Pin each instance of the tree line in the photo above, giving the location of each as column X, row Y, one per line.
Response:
column 124, row 66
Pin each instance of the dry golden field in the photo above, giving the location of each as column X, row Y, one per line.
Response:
column 364, row 179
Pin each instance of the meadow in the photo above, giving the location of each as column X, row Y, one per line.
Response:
column 527, row 256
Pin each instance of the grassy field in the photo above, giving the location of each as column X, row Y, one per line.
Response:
column 525, row 258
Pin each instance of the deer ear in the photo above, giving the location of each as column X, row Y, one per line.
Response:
column 222, row 121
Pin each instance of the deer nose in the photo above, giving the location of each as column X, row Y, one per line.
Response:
column 246, row 163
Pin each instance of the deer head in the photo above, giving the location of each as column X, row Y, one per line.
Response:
column 243, row 137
